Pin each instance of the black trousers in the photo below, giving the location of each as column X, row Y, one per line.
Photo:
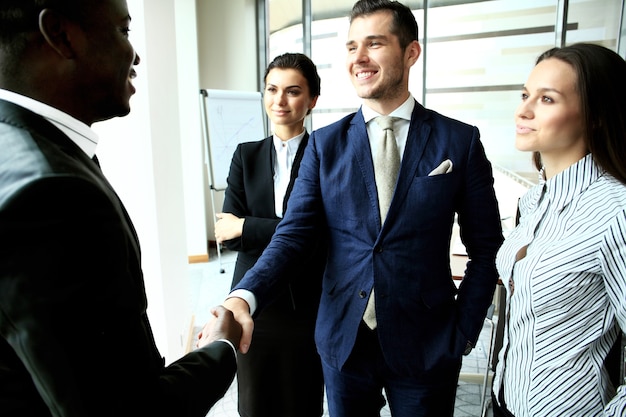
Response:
column 281, row 375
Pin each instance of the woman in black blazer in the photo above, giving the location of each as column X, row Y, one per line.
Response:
column 281, row 374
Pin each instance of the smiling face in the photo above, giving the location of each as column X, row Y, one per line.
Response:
column 107, row 61
column 378, row 67
column 549, row 119
column 287, row 101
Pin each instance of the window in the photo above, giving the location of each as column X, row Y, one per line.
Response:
column 477, row 55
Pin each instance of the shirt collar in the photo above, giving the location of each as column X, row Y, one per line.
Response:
column 291, row 144
column 566, row 185
column 405, row 111
column 77, row 131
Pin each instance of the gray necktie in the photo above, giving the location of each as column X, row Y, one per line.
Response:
column 386, row 166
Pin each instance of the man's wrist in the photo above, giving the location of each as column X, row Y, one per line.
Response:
column 246, row 296
column 230, row 344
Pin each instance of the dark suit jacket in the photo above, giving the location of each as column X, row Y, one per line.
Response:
column 74, row 335
column 250, row 194
column 422, row 322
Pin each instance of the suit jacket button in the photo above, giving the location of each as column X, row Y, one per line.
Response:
column 378, row 249
column 362, row 294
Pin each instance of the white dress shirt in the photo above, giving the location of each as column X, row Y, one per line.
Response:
column 566, row 296
column 285, row 154
column 400, row 125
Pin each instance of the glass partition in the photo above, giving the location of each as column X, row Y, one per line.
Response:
column 477, row 55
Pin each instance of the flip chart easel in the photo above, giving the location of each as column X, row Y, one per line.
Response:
column 228, row 119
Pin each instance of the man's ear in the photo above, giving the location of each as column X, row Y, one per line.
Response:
column 54, row 28
column 413, row 51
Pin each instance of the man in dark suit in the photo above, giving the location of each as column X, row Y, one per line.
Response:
column 74, row 335
column 412, row 343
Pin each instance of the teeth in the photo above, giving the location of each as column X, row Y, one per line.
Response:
column 361, row 75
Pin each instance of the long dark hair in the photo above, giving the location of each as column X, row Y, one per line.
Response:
column 601, row 84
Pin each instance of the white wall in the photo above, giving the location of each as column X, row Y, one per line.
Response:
column 153, row 157
column 227, row 44
column 190, row 128
column 228, row 56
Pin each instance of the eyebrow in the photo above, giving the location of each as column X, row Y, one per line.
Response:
column 545, row 90
column 369, row 38
column 289, row 86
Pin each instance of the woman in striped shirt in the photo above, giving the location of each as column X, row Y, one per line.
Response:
column 564, row 265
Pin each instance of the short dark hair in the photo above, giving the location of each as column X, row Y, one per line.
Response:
column 303, row 64
column 404, row 25
column 601, row 84
column 19, row 18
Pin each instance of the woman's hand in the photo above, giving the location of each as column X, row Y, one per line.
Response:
column 227, row 227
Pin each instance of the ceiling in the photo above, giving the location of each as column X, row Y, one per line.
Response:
column 285, row 13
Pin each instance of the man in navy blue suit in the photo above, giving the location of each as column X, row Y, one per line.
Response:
column 398, row 263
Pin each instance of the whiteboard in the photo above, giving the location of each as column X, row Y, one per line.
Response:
column 229, row 118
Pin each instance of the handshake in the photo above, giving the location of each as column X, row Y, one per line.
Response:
column 222, row 326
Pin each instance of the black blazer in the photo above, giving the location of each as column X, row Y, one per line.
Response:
column 74, row 335
column 250, row 194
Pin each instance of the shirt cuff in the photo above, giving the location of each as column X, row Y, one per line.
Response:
column 230, row 344
column 247, row 296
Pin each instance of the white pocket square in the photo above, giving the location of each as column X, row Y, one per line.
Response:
column 444, row 168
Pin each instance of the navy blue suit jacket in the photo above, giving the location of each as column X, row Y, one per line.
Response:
column 423, row 322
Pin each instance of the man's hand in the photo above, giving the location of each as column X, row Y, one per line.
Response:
column 241, row 311
column 222, row 326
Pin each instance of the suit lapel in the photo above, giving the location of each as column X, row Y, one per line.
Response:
column 54, row 144
column 266, row 160
column 130, row 228
column 416, row 142
column 360, row 150
column 295, row 168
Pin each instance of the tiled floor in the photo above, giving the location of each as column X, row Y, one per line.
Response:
column 209, row 286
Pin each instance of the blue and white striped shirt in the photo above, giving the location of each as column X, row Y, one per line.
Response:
column 567, row 298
